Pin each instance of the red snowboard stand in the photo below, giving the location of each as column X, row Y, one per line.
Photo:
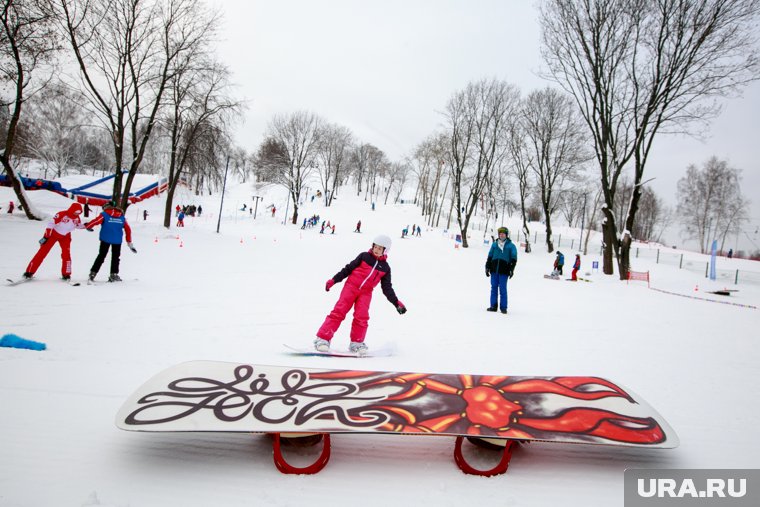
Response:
column 286, row 468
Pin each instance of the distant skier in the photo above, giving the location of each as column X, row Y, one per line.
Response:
column 500, row 265
column 10, row 207
column 576, row 267
column 181, row 219
column 559, row 261
column 113, row 226
column 58, row 231
column 362, row 274
column 358, row 226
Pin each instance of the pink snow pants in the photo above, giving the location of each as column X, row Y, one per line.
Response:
column 349, row 296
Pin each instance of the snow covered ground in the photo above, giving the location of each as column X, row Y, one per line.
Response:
column 238, row 295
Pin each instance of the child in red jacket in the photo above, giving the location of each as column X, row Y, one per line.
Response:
column 362, row 274
column 576, row 267
column 58, row 231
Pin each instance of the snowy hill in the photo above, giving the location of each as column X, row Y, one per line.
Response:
column 238, row 295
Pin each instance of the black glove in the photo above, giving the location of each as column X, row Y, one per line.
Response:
column 43, row 240
column 131, row 247
column 511, row 272
column 88, row 229
column 400, row 308
column 488, row 273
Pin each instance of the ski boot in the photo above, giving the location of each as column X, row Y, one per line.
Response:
column 27, row 275
column 358, row 348
column 504, row 311
column 66, row 278
column 92, row 276
column 491, row 309
column 321, row 345
column 114, row 277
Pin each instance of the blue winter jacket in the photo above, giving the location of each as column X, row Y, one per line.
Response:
column 502, row 260
column 113, row 226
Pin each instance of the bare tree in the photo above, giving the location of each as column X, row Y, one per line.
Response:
column 333, row 152
column 294, row 141
column 652, row 213
column 126, row 52
column 710, row 202
column 56, row 126
column 638, row 68
column 476, row 121
column 427, row 164
column 554, row 135
column 198, row 98
column 396, row 177
column 28, row 43
column 521, row 162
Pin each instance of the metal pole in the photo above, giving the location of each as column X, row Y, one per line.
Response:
column 224, row 187
column 583, row 222
column 256, row 207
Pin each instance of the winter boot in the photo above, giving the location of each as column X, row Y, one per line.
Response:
column 321, row 345
column 491, row 309
column 28, row 275
column 92, row 276
column 358, row 348
column 114, row 277
column 66, row 278
column 504, row 310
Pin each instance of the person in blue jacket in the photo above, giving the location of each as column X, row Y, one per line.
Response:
column 113, row 227
column 559, row 262
column 500, row 265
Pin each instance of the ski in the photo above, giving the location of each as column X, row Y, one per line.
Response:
column 102, row 282
column 13, row 283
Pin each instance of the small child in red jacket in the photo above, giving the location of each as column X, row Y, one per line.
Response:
column 362, row 274
column 576, row 267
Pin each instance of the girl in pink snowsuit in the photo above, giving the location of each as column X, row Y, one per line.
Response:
column 362, row 275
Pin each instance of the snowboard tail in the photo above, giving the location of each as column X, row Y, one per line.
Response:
column 228, row 397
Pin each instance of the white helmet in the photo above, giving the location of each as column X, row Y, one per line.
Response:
column 383, row 241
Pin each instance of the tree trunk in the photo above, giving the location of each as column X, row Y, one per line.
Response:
column 18, row 189
column 549, row 242
column 610, row 238
column 168, row 207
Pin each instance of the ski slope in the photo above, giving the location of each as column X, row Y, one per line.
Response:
column 192, row 294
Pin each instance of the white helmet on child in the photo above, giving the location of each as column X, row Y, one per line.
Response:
column 383, row 241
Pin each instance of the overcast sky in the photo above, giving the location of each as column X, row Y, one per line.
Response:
column 386, row 68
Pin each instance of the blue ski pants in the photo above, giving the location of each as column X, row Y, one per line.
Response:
column 499, row 290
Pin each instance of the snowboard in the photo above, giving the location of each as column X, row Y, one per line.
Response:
column 493, row 410
column 310, row 351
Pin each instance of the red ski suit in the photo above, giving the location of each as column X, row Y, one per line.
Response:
column 576, row 267
column 59, row 231
column 363, row 274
